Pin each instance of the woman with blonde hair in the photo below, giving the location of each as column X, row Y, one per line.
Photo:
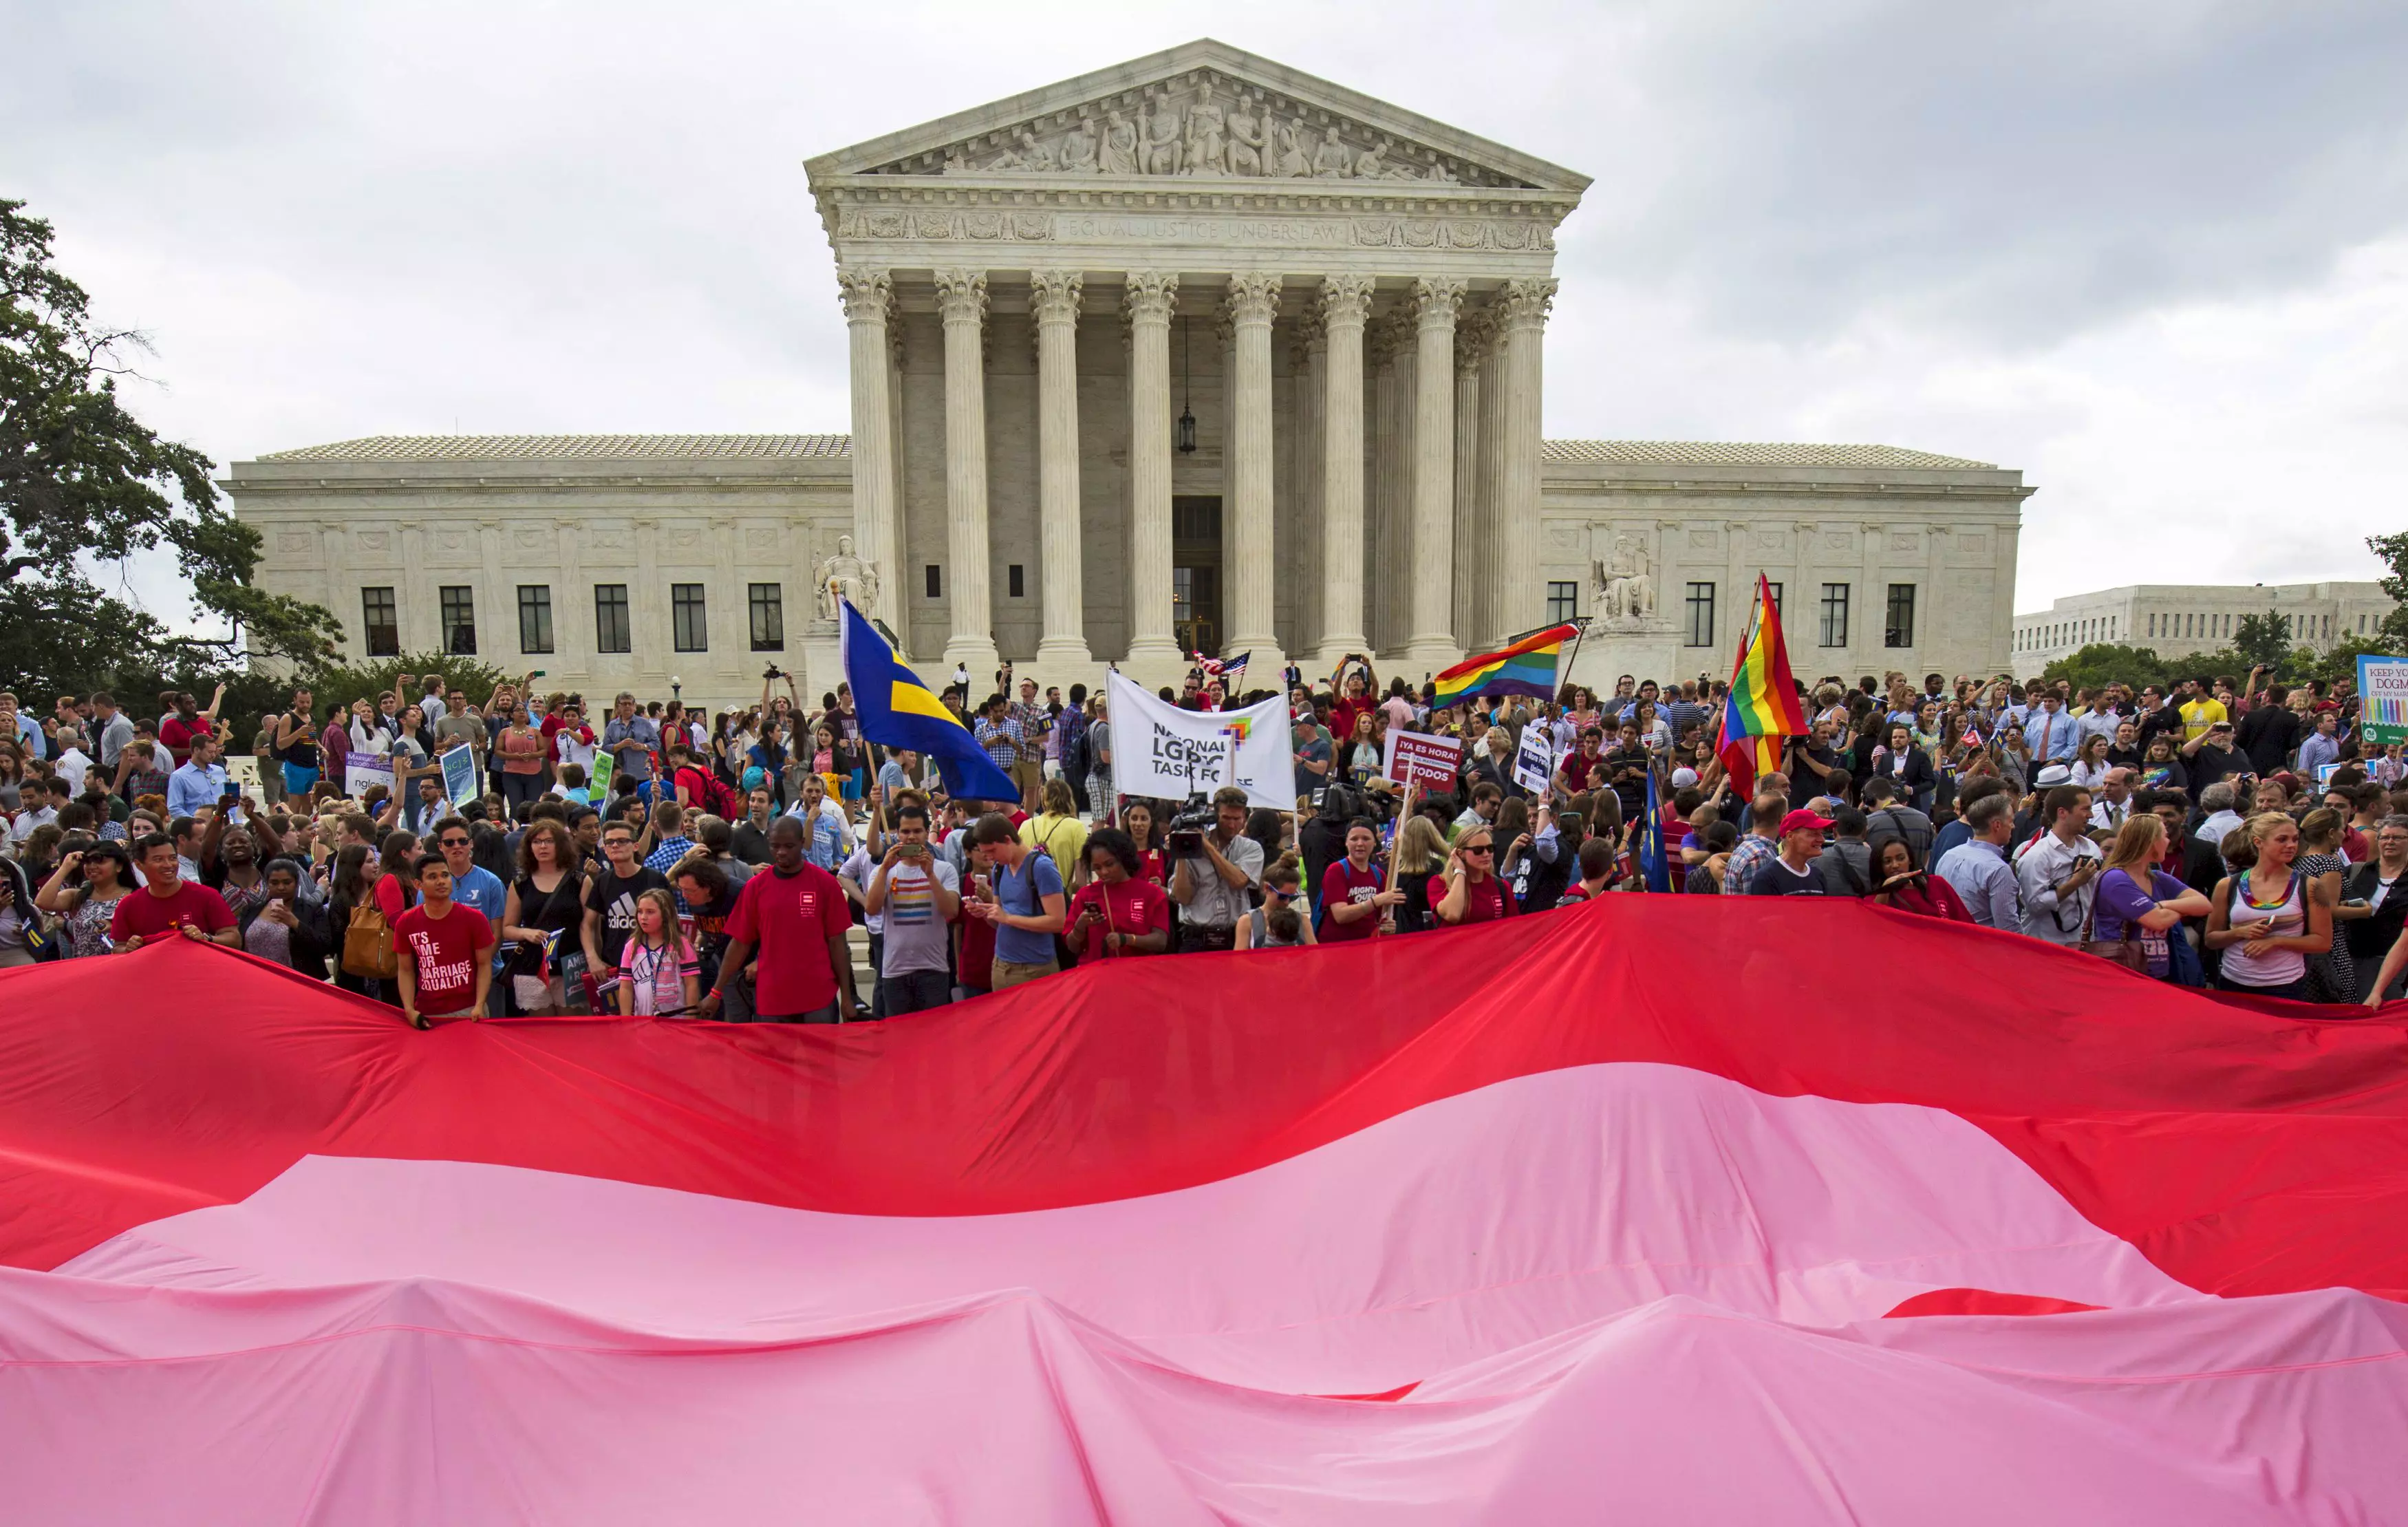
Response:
column 1420, row 850
column 2264, row 918
column 2140, row 907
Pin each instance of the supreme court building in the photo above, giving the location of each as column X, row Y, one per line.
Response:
column 1198, row 353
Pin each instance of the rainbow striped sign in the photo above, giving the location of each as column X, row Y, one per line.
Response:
column 2383, row 699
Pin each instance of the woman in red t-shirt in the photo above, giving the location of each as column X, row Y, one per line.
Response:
column 1117, row 912
column 1137, row 817
column 1466, row 891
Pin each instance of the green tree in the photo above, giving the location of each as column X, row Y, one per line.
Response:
column 2262, row 640
column 2393, row 550
column 82, row 480
column 328, row 683
column 2104, row 663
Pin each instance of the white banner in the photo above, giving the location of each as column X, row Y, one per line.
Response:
column 1160, row 749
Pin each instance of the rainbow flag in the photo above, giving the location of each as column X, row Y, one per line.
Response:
column 1762, row 708
column 1526, row 667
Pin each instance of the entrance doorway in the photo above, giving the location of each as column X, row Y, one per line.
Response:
column 1196, row 574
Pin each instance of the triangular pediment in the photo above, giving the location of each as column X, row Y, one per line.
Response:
column 1203, row 111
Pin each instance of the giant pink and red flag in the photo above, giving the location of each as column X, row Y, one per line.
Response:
column 1500, row 1225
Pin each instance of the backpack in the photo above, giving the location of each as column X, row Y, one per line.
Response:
column 367, row 944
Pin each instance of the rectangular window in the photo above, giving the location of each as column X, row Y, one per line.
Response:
column 380, row 622
column 1702, row 615
column 534, row 617
column 936, row 582
column 1015, row 582
column 1835, row 615
column 1563, row 601
column 1898, row 630
column 689, row 631
column 1778, row 608
column 768, row 602
column 610, row 633
column 459, row 620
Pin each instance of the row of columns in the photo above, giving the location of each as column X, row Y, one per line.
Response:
column 1464, row 502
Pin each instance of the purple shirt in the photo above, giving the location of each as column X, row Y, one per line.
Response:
column 2121, row 902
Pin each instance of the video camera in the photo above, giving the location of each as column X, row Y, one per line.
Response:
column 1184, row 832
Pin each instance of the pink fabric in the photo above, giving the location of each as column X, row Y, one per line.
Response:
column 1626, row 1291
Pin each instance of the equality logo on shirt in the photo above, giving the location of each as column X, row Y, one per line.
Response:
column 433, row 974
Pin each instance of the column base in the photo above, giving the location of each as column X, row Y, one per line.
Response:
column 979, row 654
column 1427, row 656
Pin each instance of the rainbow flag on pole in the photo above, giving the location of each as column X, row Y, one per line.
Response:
column 1526, row 668
column 1762, row 707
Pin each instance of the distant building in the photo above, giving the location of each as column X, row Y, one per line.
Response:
column 2181, row 620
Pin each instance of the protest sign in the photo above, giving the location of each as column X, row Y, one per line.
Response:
column 1162, row 751
column 1534, row 762
column 1432, row 761
column 2383, row 691
column 459, row 774
column 362, row 771
column 597, row 790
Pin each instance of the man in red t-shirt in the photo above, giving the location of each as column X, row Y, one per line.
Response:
column 1118, row 913
column 1596, row 870
column 446, row 949
column 1468, row 890
column 1583, row 765
column 1354, row 898
column 168, row 903
column 796, row 918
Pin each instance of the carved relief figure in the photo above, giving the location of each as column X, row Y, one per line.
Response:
column 1247, row 140
column 1371, row 163
column 1333, row 160
column 1628, row 592
column 1208, row 135
column 1080, row 149
column 1161, row 156
column 1291, row 158
column 1118, row 153
column 845, row 576
column 1034, row 154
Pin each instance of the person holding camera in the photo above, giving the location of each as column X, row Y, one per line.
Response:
column 1215, row 874
column 918, row 896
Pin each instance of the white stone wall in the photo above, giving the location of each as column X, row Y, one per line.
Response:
column 2182, row 620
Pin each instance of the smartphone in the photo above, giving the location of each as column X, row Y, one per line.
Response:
column 537, row 673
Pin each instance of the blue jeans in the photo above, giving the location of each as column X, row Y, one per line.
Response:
column 912, row 991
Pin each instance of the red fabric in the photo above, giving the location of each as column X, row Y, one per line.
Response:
column 443, row 953
column 1984, row 1302
column 1933, row 897
column 149, row 915
column 791, row 918
column 2243, row 1147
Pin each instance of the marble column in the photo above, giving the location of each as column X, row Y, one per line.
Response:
column 961, row 298
column 1429, row 642
column 1152, row 295
column 1254, row 303
column 1053, row 301
column 1486, row 618
column 1471, row 536
column 1522, row 313
column 868, row 298
column 1345, row 302
column 1308, row 354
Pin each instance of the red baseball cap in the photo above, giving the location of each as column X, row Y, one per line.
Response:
column 1800, row 819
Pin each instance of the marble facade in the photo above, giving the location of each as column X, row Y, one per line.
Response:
column 1349, row 301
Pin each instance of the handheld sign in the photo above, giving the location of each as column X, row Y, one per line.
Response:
column 362, row 771
column 459, row 774
column 1432, row 762
column 1534, row 763
column 597, row 790
column 2383, row 698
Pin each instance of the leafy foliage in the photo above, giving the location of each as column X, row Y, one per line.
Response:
column 2393, row 550
column 2103, row 663
column 347, row 681
column 82, row 480
column 2262, row 640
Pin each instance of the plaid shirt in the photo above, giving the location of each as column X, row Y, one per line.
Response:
column 1001, row 740
column 1033, row 720
column 1745, row 860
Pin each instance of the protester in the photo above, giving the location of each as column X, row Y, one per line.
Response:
column 1791, row 871
column 1213, row 876
column 794, row 918
column 2139, row 907
column 1024, row 901
column 1467, row 890
column 1118, row 913
column 445, row 950
column 2055, row 873
column 2375, row 906
column 2263, row 918
column 918, row 895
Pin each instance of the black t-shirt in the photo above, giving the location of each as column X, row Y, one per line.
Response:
column 615, row 900
column 1777, row 879
column 749, row 843
column 2266, row 735
column 2209, row 765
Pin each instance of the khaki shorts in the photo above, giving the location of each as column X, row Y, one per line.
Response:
column 1011, row 974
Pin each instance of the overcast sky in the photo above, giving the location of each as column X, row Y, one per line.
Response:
column 2154, row 255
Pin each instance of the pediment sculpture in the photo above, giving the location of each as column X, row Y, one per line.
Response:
column 1200, row 125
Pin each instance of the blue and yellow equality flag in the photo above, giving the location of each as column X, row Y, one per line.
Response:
column 897, row 710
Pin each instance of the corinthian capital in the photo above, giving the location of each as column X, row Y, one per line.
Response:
column 1436, row 301
column 867, row 296
column 1524, row 304
column 1346, row 301
column 1152, row 296
column 1253, row 297
column 1473, row 334
column 1054, row 295
column 961, row 295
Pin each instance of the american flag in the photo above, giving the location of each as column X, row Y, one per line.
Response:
column 1223, row 669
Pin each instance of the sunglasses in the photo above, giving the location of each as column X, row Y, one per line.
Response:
column 451, row 843
column 1476, row 848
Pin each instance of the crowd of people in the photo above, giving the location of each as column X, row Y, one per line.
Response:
column 649, row 858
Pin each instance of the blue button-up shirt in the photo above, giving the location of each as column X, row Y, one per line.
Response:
column 191, row 787
column 2051, row 735
column 1979, row 874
